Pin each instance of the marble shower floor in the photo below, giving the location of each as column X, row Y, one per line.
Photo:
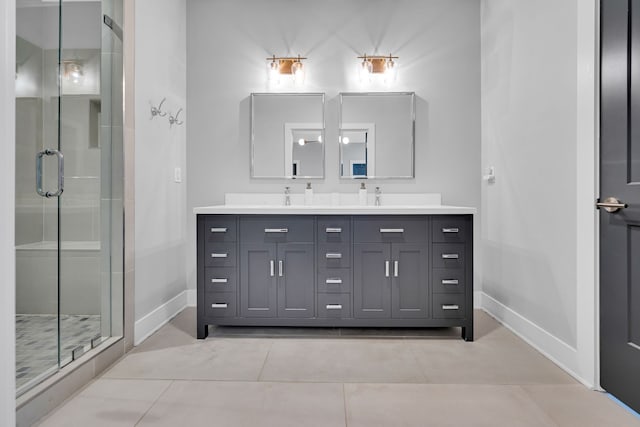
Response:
column 37, row 341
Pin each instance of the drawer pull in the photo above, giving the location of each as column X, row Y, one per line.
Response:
column 333, row 230
column 276, row 230
column 219, row 230
column 386, row 269
column 450, row 256
column 272, row 268
column 280, row 268
column 450, row 281
column 334, row 306
column 216, row 255
column 333, row 256
column 450, row 230
column 392, row 230
column 219, row 280
column 396, row 270
column 219, row 305
column 450, row 307
column 336, row 281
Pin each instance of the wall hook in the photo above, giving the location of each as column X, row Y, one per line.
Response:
column 174, row 119
column 157, row 111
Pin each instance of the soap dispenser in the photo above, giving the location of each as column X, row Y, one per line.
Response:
column 308, row 194
column 362, row 195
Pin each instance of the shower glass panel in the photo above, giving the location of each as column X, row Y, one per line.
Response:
column 69, row 243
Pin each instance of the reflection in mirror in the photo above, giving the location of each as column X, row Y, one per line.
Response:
column 287, row 134
column 377, row 135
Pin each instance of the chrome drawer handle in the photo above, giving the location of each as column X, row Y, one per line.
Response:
column 219, row 305
column 450, row 230
column 219, row 281
column 272, row 268
column 450, row 256
column 280, row 268
column 396, row 270
column 392, row 230
column 276, row 230
column 334, row 306
column 386, row 269
column 333, row 230
column 450, row 282
column 336, row 281
column 215, row 255
column 450, row 307
column 333, row 256
column 219, row 230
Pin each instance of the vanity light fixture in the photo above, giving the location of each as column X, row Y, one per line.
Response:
column 375, row 64
column 72, row 71
column 286, row 65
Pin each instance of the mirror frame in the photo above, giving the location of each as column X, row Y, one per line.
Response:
column 413, row 133
column 252, row 134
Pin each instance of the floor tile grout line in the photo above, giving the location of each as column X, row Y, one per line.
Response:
column 344, row 402
column 154, row 403
column 264, row 363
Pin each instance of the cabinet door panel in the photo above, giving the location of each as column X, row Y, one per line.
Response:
column 409, row 284
column 257, row 284
column 296, row 273
column 371, row 287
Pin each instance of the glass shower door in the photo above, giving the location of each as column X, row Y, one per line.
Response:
column 69, row 182
column 38, row 185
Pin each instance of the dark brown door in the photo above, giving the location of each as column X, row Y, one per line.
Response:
column 620, row 185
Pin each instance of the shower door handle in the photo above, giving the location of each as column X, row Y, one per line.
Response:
column 39, row 188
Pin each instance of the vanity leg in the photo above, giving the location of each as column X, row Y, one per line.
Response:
column 467, row 332
column 203, row 330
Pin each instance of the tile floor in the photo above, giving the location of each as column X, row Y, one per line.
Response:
column 272, row 377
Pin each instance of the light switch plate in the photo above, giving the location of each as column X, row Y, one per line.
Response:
column 177, row 175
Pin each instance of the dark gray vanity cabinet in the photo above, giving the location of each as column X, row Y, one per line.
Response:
column 276, row 267
column 336, row 271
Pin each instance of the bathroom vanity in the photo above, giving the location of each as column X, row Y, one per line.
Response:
column 332, row 265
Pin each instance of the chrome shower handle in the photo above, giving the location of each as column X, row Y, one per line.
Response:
column 39, row 158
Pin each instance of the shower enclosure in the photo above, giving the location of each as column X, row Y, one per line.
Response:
column 69, row 182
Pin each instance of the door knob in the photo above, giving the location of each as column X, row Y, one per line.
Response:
column 611, row 205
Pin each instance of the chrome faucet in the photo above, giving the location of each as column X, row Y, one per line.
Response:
column 287, row 196
column 378, row 194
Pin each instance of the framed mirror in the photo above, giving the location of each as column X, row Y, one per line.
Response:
column 377, row 135
column 287, row 135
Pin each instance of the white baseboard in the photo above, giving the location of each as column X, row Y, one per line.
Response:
column 477, row 299
column 553, row 348
column 192, row 298
column 154, row 320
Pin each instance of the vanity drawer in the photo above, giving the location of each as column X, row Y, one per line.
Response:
column 220, row 304
column 220, row 255
column 220, row 279
column 451, row 229
column 334, row 255
column 276, row 229
column 392, row 229
column 334, row 229
column 448, row 306
column 334, row 306
column 220, row 228
column 448, row 280
column 334, row 280
column 448, row 255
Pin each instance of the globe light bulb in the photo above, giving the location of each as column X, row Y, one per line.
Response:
column 301, row 141
column 366, row 68
column 297, row 70
column 345, row 140
column 274, row 71
column 319, row 138
column 391, row 71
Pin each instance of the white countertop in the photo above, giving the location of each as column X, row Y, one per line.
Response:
column 334, row 204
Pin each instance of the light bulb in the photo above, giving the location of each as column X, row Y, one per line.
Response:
column 297, row 70
column 319, row 138
column 366, row 68
column 345, row 140
column 390, row 71
column 301, row 141
column 274, row 72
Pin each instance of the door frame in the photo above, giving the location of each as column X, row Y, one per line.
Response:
column 7, row 211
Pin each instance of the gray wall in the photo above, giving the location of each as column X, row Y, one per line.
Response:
column 159, row 149
column 227, row 43
column 529, row 104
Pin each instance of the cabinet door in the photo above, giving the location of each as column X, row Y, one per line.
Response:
column 371, row 275
column 258, row 270
column 409, row 282
column 296, row 272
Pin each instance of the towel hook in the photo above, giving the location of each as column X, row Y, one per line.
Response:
column 157, row 111
column 174, row 119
